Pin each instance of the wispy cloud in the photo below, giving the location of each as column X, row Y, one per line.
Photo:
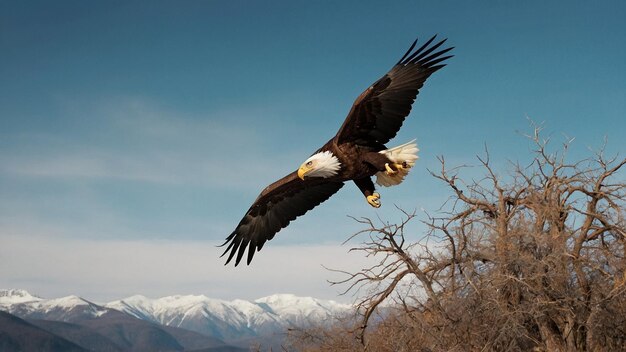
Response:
column 162, row 167
column 105, row 270
column 136, row 140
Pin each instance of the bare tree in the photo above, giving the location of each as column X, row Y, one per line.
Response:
column 533, row 260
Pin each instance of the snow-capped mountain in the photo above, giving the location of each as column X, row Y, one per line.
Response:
column 30, row 323
column 232, row 319
column 225, row 320
column 71, row 308
column 13, row 296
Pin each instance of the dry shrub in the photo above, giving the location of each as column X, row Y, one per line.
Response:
column 535, row 260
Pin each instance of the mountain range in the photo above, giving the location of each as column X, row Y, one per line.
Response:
column 173, row 323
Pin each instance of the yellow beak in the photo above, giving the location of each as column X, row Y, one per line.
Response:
column 301, row 172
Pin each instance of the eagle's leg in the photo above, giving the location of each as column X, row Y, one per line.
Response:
column 369, row 191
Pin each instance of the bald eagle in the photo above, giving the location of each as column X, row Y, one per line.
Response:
column 356, row 153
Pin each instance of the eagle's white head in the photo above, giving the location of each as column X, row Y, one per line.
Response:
column 323, row 164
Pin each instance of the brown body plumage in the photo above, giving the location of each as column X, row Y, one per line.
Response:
column 356, row 153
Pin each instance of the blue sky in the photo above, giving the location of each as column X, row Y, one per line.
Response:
column 134, row 135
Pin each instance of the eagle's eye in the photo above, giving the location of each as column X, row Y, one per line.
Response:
column 309, row 163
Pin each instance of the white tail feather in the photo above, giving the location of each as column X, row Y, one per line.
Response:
column 405, row 153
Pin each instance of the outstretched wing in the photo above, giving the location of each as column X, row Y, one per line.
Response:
column 278, row 204
column 377, row 114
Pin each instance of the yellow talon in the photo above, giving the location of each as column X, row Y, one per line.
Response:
column 397, row 167
column 374, row 200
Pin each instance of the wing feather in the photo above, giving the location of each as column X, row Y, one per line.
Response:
column 278, row 205
column 378, row 113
